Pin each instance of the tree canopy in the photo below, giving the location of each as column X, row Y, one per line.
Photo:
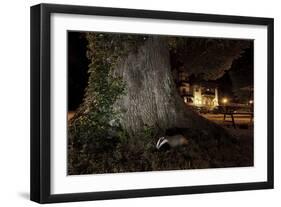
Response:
column 207, row 57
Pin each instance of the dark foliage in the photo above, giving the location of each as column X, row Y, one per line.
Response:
column 208, row 57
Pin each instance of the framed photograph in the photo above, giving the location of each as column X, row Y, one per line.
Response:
column 133, row 103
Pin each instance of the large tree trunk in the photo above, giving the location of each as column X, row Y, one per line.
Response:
column 151, row 96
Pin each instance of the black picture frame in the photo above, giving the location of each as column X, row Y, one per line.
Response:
column 41, row 95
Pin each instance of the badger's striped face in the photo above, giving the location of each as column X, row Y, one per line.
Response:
column 172, row 141
column 161, row 141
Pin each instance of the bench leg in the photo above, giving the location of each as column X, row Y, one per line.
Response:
column 233, row 123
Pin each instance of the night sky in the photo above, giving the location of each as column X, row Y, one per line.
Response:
column 77, row 69
column 240, row 75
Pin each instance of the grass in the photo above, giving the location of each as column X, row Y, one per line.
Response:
column 138, row 153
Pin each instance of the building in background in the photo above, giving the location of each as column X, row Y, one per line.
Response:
column 197, row 93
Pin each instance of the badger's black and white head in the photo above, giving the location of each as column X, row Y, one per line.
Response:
column 163, row 144
column 174, row 141
column 162, row 141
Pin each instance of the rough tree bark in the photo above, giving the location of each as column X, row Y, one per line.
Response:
column 151, row 97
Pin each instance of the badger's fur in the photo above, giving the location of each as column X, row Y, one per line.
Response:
column 171, row 141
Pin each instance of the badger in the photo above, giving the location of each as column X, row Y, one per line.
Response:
column 171, row 141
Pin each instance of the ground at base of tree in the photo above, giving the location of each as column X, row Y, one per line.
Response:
column 140, row 154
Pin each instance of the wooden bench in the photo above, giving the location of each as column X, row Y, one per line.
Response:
column 231, row 114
